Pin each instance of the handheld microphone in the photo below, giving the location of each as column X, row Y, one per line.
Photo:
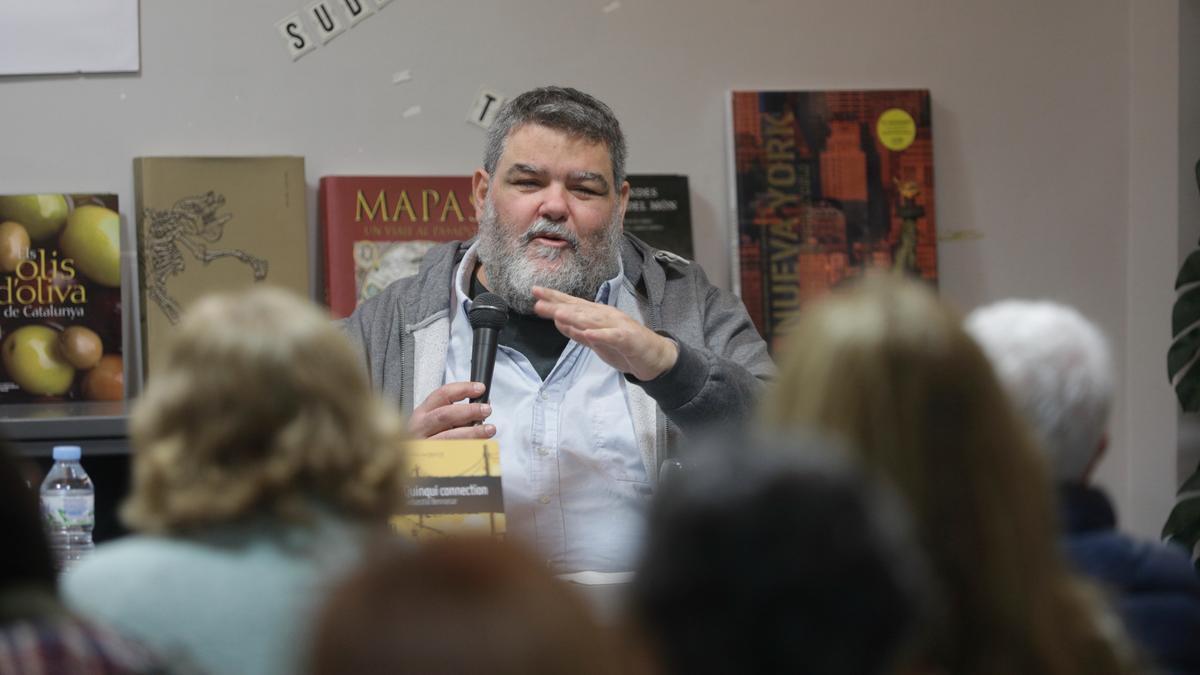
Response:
column 488, row 315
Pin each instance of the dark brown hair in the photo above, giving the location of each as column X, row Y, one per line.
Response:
column 460, row 607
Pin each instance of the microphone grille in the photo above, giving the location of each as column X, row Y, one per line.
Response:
column 488, row 311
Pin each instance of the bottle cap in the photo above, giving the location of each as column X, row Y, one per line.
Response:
column 67, row 453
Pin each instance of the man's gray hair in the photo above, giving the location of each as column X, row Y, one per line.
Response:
column 563, row 109
column 1057, row 368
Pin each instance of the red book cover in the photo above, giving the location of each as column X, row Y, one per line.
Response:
column 376, row 229
column 828, row 184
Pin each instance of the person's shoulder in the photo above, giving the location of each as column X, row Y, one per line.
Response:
column 116, row 574
column 659, row 268
column 130, row 557
column 1132, row 562
column 124, row 551
column 165, row 559
column 643, row 252
column 1166, row 564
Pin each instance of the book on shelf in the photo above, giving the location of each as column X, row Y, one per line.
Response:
column 660, row 212
column 453, row 487
column 209, row 224
column 60, row 298
column 376, row 229
column 828, row 184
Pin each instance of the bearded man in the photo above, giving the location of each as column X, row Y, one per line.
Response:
column 612, row 352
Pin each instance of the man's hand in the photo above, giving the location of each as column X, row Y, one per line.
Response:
column 440, row 417
column 616, row 338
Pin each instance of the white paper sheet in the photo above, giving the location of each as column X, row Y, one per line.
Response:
column 69, row 36
column 590, row 578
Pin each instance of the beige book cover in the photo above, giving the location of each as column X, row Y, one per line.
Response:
column 453, row 487
column 208, row 224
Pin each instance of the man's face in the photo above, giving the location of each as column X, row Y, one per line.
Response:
column 550, row 216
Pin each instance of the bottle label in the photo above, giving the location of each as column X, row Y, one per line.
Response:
column 66, row 512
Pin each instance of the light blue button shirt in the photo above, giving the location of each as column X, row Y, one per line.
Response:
column 575, row 486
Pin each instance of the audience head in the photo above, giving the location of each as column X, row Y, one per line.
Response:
column 26, row 560
column 777, row 556
column 1056, row 367
column 887, row 366
column 459, row 606
column 260, row 406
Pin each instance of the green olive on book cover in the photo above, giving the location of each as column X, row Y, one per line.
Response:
column 32, row 359
column 80, row 346
column 14, row 245
column 93, row 238
column 42, row 215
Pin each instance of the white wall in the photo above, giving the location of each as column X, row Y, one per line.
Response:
column 1035, row 106
column 1143, row 470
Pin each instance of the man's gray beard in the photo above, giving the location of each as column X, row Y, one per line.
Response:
column 512, row 270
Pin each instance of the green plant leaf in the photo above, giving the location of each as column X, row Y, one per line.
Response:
column 1185, row 335
column 1192, row 484
column 1187, row 390
column 1189, row 273
column 1183, row 348
column 1182, row 352
column 1183, row 526
column 1186, row 310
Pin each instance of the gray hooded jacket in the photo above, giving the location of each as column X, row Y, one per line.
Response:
column 722, row 364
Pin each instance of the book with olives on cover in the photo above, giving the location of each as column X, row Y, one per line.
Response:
column 60, row 298
column 376, row 229
column 214, row 224
column 453, row 487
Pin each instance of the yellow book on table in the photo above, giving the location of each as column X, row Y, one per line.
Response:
column 453, row 487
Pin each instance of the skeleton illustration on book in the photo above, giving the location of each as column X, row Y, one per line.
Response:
column 193, row 223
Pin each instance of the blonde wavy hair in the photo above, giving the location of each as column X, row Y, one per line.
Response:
column 890, row 368
column 260, row 405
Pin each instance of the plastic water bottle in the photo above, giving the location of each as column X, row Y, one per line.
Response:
column 68, row 508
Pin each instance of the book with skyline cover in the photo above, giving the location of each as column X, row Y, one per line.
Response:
column 60, row 298
column 828, row 184
column 376, row 229
column 211, row 224
column 453, row 487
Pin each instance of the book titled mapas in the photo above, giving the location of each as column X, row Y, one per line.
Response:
column 376, row 229
column 60, row 298
column 453, row 487
column 209, row 224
